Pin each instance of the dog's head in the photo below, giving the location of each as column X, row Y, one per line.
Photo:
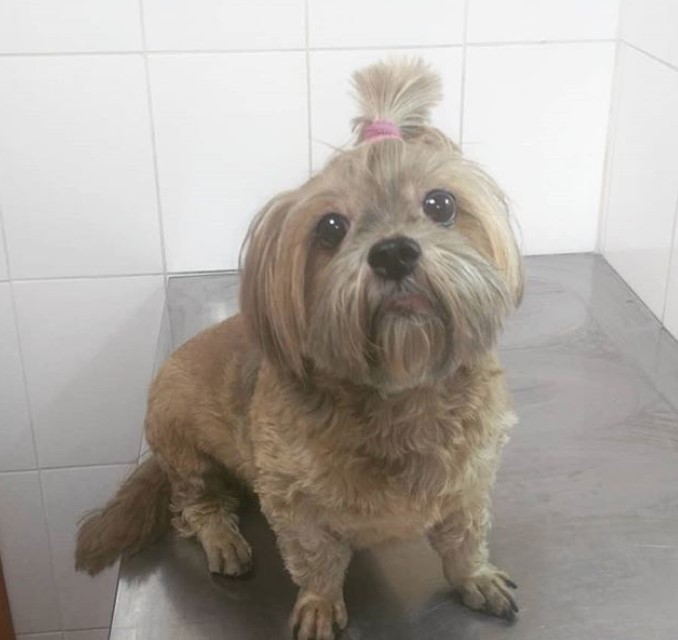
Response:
column 394, row 264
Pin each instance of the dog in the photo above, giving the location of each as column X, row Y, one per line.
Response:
column 358, row 392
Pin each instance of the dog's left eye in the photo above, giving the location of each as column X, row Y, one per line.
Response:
column 440, row 206
column 331, row 229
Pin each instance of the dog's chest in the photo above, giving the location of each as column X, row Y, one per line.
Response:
column 375, row 468
column 370, row 496
column 370, row 505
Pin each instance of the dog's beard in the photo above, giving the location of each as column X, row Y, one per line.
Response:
column 399, row 336
column 406, row 350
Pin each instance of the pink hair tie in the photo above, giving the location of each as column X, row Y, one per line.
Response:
column 381, row 129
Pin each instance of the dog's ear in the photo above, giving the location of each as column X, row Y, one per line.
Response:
column 502, row 241
column 400, row 91
column 490, row 208
column 272, row 300
column 507, row 257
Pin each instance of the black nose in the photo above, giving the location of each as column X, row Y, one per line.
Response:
column 394, row 258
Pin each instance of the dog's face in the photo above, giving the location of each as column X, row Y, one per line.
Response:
column 391, row 267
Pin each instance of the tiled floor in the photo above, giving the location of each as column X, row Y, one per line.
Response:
column 586, row 503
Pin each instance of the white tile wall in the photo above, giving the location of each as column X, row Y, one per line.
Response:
column 85, row 602
column 76, row 167
column 536, row 116
column 215, row 24
column 333, row 107
column 231, row 132
column 16, row 451
column 396, row 23
column 40, row 636
column 652, row 25
column 88, row 348
column 644, row 177
column 25, row 552
column 69, row 25
column 537, row 20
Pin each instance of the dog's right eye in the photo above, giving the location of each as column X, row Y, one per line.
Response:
column 331, row 229
column 440, row 206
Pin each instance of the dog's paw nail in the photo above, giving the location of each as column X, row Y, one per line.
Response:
column 227, row 553
column 489, row 593
column 317, row 618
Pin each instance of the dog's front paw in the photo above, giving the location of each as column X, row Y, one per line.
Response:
column 489, row 591
column 227, row 551
column 316, row 617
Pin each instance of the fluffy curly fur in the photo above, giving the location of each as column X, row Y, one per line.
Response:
column 356, row 414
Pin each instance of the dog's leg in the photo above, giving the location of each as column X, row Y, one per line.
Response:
column 317, row 561
column 460, row 540
column 206, row 506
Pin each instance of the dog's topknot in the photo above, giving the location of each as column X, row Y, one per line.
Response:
column 400, row 91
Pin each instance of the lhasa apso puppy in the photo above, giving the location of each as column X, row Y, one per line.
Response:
column 358, row 393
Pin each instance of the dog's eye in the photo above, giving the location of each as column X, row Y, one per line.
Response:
column 331, row 230
column 440, row 206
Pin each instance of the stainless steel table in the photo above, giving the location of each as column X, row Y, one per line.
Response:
column 586, row 503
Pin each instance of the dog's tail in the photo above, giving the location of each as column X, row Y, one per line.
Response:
column 400, row 91
column 135, row 517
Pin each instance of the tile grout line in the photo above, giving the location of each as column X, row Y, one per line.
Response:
column 462, row 92
column 96, row 465
column 674, row 230
column 154, row 145
column 610, row 145
column 672, row 254
column 158, row 199
column 650, row 55
column 24, row 377
column 611, row 139
column 152, row 52
column 5, row 244
column 96, row 276
column 524, row 43
column 111, row 276
column 15, row 318
column 39, row 468
column 308, row 86
column 648, row 377
column 31, row 422
column 164, row 325
column 50, row 547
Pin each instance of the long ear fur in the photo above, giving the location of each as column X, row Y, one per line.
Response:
column 507, row 256
column 500, row 234
column 273, row 264
column 402, row 91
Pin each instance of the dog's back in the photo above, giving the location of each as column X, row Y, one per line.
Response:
column 197, row 403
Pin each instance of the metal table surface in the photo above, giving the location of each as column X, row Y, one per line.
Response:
column 586, row 502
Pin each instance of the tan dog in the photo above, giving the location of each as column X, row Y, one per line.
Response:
column 358, row 393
